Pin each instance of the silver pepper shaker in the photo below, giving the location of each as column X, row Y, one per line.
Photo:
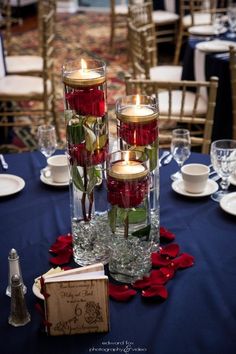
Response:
column 19, row 315
column 14, row 268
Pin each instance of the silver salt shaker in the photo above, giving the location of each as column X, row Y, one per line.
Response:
column 19, row 315
column 14, row 268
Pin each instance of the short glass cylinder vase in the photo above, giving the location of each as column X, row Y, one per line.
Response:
column 137, row 128
column 85, row 95
column 128, row 185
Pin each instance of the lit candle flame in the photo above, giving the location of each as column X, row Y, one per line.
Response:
column 127, row 158
column 83, row 65
column 137, row 100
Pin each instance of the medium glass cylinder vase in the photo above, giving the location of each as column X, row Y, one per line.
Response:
column 85, row 96
column 137, row 128
column 128, row 185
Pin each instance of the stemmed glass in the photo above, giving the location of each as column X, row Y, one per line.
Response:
column 180, row 149
column 223, row 159
column 47, row 141
column 231, row 13
column 218, row 24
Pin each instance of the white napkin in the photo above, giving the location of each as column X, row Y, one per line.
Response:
column 199, row 69
column 170, row 6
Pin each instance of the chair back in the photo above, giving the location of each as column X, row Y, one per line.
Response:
column 140, row 14
column 6, row 22
column 143, row 50
column 233, row 88
column 2, row 59
column 181, row 105
column 195, row 7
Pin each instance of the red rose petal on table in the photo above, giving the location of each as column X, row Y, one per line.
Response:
column 142, row 283
column 185, row 260
column 155, row 291
column 62, row 257
column 121, row 292
column 166, row 235
column 62, row 242
column 158, row 260
column 170, row 250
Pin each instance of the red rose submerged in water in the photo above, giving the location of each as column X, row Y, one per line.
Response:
column 127, row 194
column 87, row 101
column 138, row 133
column 80, row 156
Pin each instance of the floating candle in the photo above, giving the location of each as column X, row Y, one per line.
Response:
column 137, row 112
column 128, row 170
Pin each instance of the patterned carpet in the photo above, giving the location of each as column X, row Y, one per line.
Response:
column 82, row 32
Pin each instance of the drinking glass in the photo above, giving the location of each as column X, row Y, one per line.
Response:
column 47, row 141
column 223, row 158
column 231, row 13
column 180, row 149
column 218, row 24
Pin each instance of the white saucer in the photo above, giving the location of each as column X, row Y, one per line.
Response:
column 232, row 180
column 50, row 182
column 228, row 203
column 211, row 187
column 215, row 46
column 10, row 184
column 204, row 30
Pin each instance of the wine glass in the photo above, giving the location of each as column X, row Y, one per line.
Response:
column 218, row 24
column 47, row 141
column 223, row 159
column 231, row 14
column 180, row 149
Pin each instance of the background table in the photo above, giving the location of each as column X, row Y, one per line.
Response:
column 215, row 65
column 199, row 315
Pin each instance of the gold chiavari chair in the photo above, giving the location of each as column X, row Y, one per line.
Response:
column 181, row 105
column 30, row 100
column 143, row 53
column 118, row 17
column 31, row 64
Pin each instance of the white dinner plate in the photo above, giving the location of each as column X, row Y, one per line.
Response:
column 232, row 180
column 211, row 187
column 228, row 203
column 204, row 30
column 10, row 184
column 215, row 46
column 50, row 182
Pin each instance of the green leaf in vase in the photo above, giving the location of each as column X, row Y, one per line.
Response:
column 142, row 232
column 112, row 216
column 101, row 141
column 152, row 152
column 90, row 139
column 137, row 215
column 90, row 121
column 94, row 178
column 75, row 131
column 77, row 179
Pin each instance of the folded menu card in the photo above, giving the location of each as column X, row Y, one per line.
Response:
column 76, row 301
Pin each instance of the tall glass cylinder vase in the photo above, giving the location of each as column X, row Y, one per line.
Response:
column 128, row 185
column 86, row 119
column 137, row 128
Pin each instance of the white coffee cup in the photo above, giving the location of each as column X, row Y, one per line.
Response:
column 195, row 176
column 57, row 169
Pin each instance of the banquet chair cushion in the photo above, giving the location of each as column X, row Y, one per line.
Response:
column 18, row 85
column 199, row 19
column 121, row 9
column 166, row 73
column 23, row 64
column 163, row 98
column 164, row 17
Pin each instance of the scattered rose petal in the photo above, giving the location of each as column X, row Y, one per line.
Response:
column 61, row 242
column 155, row 291
column 143, row 283
column 166, row 235
column 171, row 250
column 121, row 292
column 158, row 260
column 185, row 260
column 161, row 276
column 62, row 257
column 167, row 272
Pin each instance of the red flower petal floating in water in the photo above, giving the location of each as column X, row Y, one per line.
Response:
column 139, row 134
column 155, row 291
column 166, row 235
column 121, row 292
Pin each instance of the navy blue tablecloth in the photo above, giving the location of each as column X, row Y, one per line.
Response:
column 199, row 315
column 215, row 65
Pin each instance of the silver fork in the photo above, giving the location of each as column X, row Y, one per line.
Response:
column 3, row 162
